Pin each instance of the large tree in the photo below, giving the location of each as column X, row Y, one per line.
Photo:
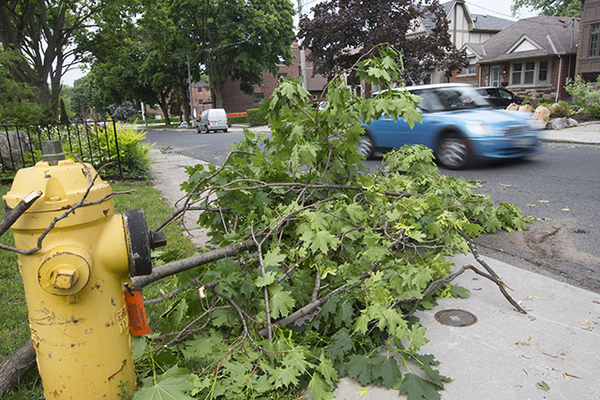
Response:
column 42, row 34
column 17, row 100
column 241, row 39
column 341, row 31
column 558, row 8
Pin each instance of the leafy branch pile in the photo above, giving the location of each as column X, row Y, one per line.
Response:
column 333, row 262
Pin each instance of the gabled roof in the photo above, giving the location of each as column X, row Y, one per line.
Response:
column 476, row 48
column 481, row 22
column 533, row 37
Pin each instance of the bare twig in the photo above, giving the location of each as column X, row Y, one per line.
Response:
column 495, row 278
column 12, row 214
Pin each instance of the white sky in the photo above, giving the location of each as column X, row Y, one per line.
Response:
column 497, row 8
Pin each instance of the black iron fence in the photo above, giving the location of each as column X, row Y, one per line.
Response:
column 94, row 142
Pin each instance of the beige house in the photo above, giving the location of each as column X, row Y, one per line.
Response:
column 464, row 28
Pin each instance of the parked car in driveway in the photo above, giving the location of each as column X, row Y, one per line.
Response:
column 213, row 119
column 498, row 96
column 459, row 125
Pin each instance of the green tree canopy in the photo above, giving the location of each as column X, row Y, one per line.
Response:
column 241, row 39
column 44, row 35
column 557, row 8
column 17, row 100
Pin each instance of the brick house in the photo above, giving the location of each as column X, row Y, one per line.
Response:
column 236, row 101
column 588, row 56
column 465, row 29
column 535, row 57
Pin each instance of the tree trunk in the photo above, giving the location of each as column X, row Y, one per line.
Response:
column 185, row 99
column 15, row 366
column 164, row 106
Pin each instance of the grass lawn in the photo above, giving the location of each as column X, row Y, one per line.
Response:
column 14, row 330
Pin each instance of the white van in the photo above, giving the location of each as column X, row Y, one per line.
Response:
column 214, row 119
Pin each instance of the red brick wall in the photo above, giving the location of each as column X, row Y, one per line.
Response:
column 234, row 100
column 472, row 79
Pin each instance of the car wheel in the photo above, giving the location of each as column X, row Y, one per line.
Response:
column 198, row 130
column 225, row 130
column 365, row 146
column 206, row 130
column 453, row 152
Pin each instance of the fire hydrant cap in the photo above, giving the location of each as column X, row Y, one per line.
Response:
column 63, row 186
column 140, row 242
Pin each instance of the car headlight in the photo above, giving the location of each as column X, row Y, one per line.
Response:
column 479, row 128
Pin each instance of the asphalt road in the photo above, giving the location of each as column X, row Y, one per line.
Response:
column 560, row 187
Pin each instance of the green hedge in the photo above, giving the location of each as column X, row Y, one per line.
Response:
column 238, row 120
column 256, row 117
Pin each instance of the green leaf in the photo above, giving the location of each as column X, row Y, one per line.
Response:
column 327, row 370
column 323, row 241
column 281, row 301
column 270, row 277
column 426, row 362
column 359, row 368
column 273, row 257
column 342, row 344
column 319, row 389
column 417, row 388
column 167, row 389
column 459, row 292
column 386, row 369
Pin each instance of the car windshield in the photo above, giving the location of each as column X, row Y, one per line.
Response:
column 451, row 98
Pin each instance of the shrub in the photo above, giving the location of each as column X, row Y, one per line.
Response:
column 585, row 97
column 256, row 117
column 96, row 145
column 562, row 109
column 237, row 120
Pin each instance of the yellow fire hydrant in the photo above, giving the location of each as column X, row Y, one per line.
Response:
column 74, row 285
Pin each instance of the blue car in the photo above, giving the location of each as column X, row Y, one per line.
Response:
column 459, row 125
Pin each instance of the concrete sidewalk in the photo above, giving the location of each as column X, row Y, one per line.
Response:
column 585, row 133
column 551, row 353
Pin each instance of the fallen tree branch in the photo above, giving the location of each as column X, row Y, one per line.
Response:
column 11, row 215
column 175, row 267
column 15, row 366
column 494, row 277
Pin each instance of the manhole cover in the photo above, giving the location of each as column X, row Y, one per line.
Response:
column 455, row 318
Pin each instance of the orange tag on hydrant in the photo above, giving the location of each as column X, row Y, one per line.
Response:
column 137, row 313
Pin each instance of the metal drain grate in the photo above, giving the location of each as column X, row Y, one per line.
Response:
column 455, row 317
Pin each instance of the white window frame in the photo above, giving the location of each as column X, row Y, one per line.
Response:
column 536, row 73
column 466, row 71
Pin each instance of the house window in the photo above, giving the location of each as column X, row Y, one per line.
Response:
column 427, row 79
column 543, row 72
column 594, row 36
column 529, row 73
column 281, row 74
column 199, row 89
column 258, row 97
column 516, row 75
column 469, row 69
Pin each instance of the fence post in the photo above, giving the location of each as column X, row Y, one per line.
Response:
column 12, row 159
column 117, row 146
column 20, row 146
column 31, row 146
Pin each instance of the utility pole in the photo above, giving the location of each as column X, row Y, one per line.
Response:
column 302, row 53
column 190, row 89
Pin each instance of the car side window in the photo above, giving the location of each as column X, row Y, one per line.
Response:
column 491, row 92
column 505, row 94
column 425, row 103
